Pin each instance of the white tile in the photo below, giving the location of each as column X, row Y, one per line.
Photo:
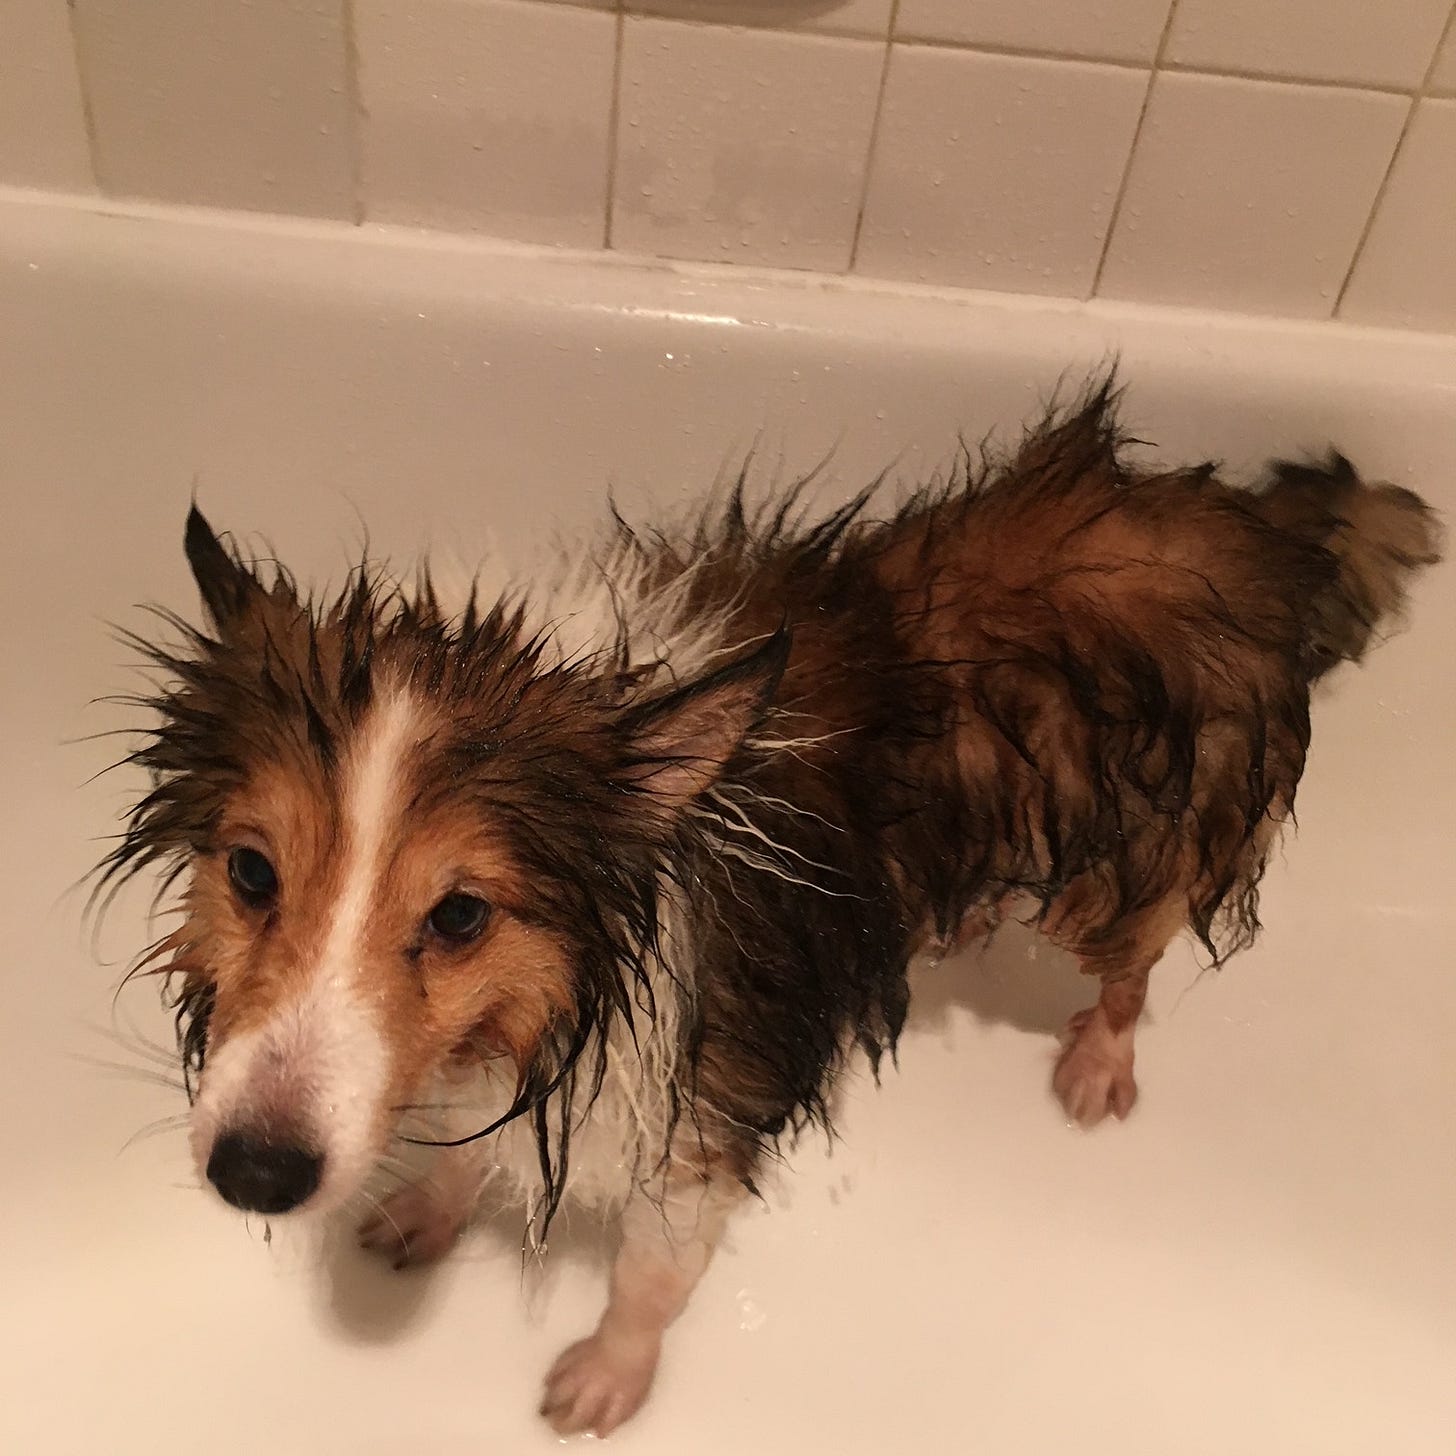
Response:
column 226, row 105
column 997, row 171
column 742, row 146
column 832, row 17
column 1250, row 195
column 1407, row 271
column 1443, row 76
column 1364, row 41
column 42, row 125
column 487, row 114
column 1114, row 30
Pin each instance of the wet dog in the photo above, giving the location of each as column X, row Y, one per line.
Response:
column 623, row 875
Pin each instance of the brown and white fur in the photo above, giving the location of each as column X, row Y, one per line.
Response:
column 621, row 878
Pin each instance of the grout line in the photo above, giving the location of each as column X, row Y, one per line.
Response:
column 1378, row 201
column 874, row 139
column 1019, row 53
column 1132, row 151
column 354, row 103
column 83, row 90
column 614, row 122
column 1277, row 78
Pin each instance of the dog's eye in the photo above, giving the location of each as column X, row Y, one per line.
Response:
column 253, row 876
column 458, row 917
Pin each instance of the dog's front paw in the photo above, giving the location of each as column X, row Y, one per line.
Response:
column 1094, row 1074
column 414, row 1225
column 600, row 1382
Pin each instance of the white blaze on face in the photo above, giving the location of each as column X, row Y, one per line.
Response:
column 320, row 1065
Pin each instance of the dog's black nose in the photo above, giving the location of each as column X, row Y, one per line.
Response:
column 260, row 1176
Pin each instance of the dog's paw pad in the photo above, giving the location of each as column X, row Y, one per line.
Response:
column 599, row 1383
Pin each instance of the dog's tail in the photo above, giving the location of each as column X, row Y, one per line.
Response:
column 1378, row 535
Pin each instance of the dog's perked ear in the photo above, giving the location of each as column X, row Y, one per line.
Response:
column 679, row 743
column 228, row 588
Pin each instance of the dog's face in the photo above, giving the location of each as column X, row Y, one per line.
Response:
column 410, row 842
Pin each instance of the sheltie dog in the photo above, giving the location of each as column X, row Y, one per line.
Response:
column 622, row 876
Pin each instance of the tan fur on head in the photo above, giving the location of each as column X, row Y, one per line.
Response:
column 360, row 864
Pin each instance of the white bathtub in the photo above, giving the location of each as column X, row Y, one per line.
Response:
column 1260, row 1260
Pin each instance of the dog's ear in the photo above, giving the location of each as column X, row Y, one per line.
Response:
column 679, row 743
column 228, row 588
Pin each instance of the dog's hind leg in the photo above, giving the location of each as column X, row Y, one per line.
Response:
column 1094, row 1074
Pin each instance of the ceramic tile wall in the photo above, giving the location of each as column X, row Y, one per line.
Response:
column 1289, row 157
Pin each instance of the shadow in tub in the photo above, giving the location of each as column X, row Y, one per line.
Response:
column 363, row 1299
column 1016, row 978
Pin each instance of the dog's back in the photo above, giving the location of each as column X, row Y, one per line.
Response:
column 1133, row 654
